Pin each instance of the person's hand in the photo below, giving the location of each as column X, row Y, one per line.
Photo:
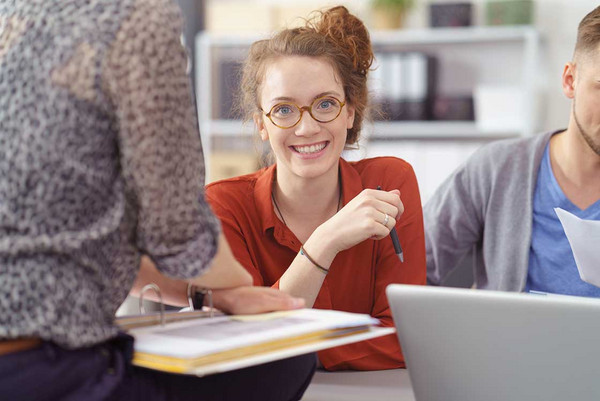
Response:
column 362, row 218
column 249, row 300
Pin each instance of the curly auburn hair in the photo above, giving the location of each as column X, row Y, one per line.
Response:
column 334, row 35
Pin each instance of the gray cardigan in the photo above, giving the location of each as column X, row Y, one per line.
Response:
column 485, row 207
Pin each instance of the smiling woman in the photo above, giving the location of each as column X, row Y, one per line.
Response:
column 312, row 224
column 304, row 146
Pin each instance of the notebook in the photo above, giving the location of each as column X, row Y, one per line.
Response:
column 475, row 345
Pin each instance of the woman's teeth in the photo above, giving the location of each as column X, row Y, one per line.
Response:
column 310, row 149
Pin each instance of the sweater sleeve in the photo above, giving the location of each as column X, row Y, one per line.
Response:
column 385, row 352
column 159, row 143
column 453, row 221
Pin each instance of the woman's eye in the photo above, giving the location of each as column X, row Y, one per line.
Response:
column 283, row 110
column 326, row 104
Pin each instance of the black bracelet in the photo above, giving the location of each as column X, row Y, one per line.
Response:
column 195, row 298
column 318, row 266
column 198, row 299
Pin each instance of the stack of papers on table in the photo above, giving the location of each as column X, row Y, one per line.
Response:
column 203, row 346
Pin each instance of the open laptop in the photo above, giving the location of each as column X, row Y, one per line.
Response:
column 476, row 345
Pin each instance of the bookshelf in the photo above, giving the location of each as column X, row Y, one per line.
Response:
column 467, row 58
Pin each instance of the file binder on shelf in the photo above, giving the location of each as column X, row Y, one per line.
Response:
column 196, row 344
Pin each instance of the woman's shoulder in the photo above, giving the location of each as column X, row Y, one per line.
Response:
column 382, row 165
column 242, row 184
column 388, row 172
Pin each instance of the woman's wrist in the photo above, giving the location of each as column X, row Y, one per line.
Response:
column 320, row 248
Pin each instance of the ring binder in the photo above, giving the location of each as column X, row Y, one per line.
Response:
column 163, row 317
column 156, row 289
column 185, row 342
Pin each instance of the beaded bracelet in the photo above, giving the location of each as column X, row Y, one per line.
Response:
column 318, row 266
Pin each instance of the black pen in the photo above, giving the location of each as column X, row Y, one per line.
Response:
column 395, row 240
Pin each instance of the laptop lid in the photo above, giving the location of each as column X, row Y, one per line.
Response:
column 475, row 345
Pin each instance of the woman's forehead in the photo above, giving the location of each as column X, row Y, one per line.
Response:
column 299, row 78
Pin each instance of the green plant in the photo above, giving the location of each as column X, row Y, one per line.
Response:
column 393, row 4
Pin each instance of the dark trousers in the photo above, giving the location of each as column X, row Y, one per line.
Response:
column 104, row 372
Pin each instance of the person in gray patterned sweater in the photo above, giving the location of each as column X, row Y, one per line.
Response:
column 101, row 163
column 500, row 203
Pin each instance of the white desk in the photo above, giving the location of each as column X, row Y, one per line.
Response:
column 383, row 385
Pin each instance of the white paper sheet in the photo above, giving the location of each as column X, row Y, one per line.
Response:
column 584, row 237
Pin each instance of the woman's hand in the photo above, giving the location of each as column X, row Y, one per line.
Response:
column 362, row 218
column 241, row 300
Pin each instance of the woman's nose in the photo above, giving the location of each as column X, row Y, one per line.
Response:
column 307, row 126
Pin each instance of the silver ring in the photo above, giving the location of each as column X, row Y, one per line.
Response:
column 386, row 219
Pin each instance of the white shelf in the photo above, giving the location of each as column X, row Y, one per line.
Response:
column 431, row 130
column 402, row 36
column 453, row 35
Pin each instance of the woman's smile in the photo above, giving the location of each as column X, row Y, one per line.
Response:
column 309, row 151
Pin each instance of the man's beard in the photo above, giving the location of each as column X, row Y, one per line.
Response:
column 594, row 146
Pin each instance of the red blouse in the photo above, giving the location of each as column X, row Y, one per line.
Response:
column 358, row 276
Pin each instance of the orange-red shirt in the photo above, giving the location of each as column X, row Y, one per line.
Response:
column 358, row 276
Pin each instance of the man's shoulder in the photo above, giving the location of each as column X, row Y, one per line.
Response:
column 513, row 145
column 505, row 153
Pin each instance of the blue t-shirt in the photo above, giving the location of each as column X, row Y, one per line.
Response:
column 552, row 267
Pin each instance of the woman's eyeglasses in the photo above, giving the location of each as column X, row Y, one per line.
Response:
column 287, row 115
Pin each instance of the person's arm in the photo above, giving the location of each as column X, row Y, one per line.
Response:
column 225, row 271
column 357, row 221
column 360, row 219
column 160, row 151
column 453, row 222
column 385, row 352
column 239, row 300
column 239, row 243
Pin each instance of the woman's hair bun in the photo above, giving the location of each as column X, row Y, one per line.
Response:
column 347, row 32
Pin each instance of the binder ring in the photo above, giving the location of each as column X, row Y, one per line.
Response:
column 156, row 289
